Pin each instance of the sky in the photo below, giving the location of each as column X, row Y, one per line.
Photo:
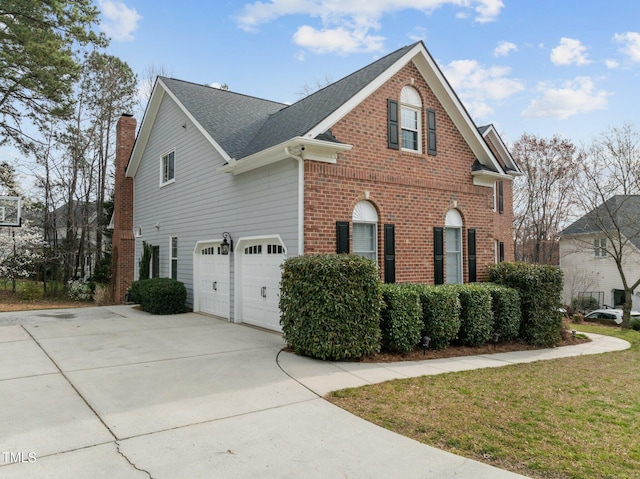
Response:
column 541, row 67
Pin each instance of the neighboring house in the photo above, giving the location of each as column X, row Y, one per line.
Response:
column 84, row 224
column 385, row 163
column 588, row 267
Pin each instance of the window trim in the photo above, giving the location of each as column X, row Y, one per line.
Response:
column 453, row 221
column 162, row 168
column 365, row 213
column 410, row 101
column 173, row 249
column 600, row 247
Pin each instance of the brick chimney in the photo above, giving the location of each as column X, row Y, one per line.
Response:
column 123, row 242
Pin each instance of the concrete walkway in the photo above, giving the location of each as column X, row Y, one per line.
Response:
column 113, row 392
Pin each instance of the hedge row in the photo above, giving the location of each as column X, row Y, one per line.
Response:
column 540, row 288
column 334, row 307
column 159, row 295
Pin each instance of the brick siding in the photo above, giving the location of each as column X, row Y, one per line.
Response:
column 123, row 243
column 411, row 190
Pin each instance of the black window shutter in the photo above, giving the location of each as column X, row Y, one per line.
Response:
column 438, row 254
column 389, row 254
column 342, row 237
column 471, row 254
column 431, row 132
column 500, row 197
column 501, row 251
column 392, row 117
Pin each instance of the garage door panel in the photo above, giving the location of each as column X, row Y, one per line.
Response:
column 213, row 282
column 261, row 284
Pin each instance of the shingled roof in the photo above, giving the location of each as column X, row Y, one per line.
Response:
column 618, row 212
column 244, row 125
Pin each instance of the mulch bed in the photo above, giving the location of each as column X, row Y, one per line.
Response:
column 453, row 351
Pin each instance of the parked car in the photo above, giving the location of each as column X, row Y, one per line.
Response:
column 614, row 315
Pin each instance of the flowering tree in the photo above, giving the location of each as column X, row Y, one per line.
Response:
column 20, row 251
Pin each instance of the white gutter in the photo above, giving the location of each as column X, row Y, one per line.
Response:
column 300, row 199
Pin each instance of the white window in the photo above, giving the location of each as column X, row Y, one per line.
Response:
column 168, row 168
column 410, row 118
column 174, row 257
column 453, row 244
column 365, row 230
column 600, row 247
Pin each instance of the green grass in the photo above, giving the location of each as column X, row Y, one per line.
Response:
column 570, row 418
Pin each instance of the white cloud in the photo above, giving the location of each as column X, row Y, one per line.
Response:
column 631, row 42
column 478, row 85
column 574, row 97
column 611, row 64
column 351, row 20
column 119, row 21
column 504, row 48
column 337, row 40
column 569, row 52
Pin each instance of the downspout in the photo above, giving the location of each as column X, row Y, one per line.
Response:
column 300, row 198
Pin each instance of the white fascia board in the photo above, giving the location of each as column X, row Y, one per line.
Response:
column 504, row 153
column 454, row 108
column 159, row 91
column 363, row 94
column 488, row 178
column 299, row 148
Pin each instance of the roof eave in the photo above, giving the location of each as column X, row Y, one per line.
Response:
column 488, row 178
column 300, row 148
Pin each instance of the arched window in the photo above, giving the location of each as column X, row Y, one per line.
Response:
column 365, row 230
column 410, row 119
column 453, row 244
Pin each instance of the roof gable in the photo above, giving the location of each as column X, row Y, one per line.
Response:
column 620, row 211
column 242, row 128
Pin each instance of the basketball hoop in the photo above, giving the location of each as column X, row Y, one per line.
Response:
column 11, row 211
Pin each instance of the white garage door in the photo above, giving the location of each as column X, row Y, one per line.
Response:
column 213, row 281
column 261, row 283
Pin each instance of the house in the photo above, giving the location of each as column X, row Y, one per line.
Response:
column 80, row 218
column 587, row 247
column 385, row 163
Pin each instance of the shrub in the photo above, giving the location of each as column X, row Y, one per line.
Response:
column 401, row 317
column 635, row 324
column 79, row 291
column 135, row 290
column 505, row 305
column 102, row 295
column 30, row 291
column 440, row 314
column 540, row 288
column 163, row 296
column 330, row 306
column 577, row 318
column 584, row 303
column 476, row 317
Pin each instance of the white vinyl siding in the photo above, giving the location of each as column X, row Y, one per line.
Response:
column 203, row 202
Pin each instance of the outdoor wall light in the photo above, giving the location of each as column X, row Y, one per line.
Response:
column 227, row 244
column 425, row 344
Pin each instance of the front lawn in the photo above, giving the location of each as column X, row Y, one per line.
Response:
column 570, row 418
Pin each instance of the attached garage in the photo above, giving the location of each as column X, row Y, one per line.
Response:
column 258, row 282
column 211, row 280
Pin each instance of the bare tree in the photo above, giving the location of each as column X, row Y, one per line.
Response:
column 610, row 193
column 544, row 197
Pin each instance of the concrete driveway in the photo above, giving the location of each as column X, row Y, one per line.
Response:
column 113, row 392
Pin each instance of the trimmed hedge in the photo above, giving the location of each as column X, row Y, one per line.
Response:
column 159, row 295
column 440, row 314
column 505, row 304
column 330, row 306
column 476, row 317
column 401, row 318
column 540, row 288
